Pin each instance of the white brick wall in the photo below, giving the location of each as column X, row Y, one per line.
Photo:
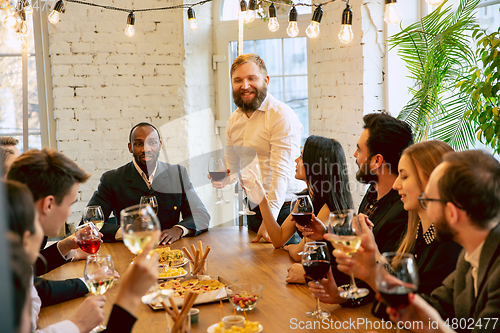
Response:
column 105, row 82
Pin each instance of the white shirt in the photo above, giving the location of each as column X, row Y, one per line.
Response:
column 473, row 260
column 274, row 132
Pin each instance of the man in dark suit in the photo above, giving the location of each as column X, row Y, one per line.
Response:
column 462, row 199
column 146, row 176
column 54, row 180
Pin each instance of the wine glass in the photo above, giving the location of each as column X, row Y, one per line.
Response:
column 302, row 209
column 346, row 236
column 217, row 169
column 316, row 262
column 396, row 276
column 140, row 225
column 99, row 274
column 88, row 237
column 95, row 215
column 248, row 175
column 151, row 201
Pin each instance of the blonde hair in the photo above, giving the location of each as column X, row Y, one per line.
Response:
column 424, row 157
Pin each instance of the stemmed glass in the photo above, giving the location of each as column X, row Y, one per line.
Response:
column 140, row 225
column 88, row 237
column 151, row 201
column 217, row 169
column 396, row 277
column 316, row 262
column 248, row 175
column 302, row 209
column 346, row 236
column 95, row 215
column 99, row 274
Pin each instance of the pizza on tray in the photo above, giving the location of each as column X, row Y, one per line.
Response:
column 198, row 286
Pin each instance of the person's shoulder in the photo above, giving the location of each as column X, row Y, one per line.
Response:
column 276, row 107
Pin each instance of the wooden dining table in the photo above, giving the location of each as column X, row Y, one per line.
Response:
column 235, row 258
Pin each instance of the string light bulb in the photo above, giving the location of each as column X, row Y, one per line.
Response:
column 293, row 29
column 250, row 17
column 54, row 14
column 130, row 29
column 391, row 14
column 345, row 34
column 273, row 24
column 312, row 30
column 193, row 25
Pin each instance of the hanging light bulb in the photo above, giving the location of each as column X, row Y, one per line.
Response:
column 250, row 17
column 434, row 2
column 293, row 29
column 345, row 34
column 130, row 29
column 273, row 24
column 54, row 14
column 312, row 30
column 243, row 8
column 391, row 15
column 193, row 25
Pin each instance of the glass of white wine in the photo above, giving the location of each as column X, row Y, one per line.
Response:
column 346, row 237
column 95, row 215
column 99, row 274
column 139, row 226
column 151, row 201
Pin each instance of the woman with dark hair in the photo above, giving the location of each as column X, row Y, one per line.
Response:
column 322, row 166
column 24, row 224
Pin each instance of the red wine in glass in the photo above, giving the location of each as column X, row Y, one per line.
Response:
column 218, row 176
column 90, row 245
column 316, row 269
column 302, row 218
column 397, row 296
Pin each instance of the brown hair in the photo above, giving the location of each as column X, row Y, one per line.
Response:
column 424, row 157
column 5, row 153
column 249, row 57
column 472, row 183
column 8, row 141
column 47, row 172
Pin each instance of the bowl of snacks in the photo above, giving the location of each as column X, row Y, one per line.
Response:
column 244, row 297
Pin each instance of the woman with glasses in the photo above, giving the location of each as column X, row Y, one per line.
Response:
column 435, row 260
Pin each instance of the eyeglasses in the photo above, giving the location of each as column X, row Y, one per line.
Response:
column 423, row 200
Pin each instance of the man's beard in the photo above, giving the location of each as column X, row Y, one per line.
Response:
column 255, row 103
column 149, row 166
column 443, row 231
column 365, row 176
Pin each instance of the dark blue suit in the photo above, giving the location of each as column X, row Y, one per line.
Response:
column 123, row 187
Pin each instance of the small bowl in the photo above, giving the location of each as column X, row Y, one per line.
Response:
column 244, row 297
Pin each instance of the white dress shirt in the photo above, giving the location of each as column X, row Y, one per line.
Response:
column 273, row 132
column 473, row 260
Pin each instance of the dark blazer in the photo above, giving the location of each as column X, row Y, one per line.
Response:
column 390, row 220
column 54, row 292
column 123, row 187
column 455, row 298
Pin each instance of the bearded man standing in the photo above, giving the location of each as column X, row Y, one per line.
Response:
column 264, row 127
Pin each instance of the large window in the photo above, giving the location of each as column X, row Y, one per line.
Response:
column 286, row 63
column 11, row 84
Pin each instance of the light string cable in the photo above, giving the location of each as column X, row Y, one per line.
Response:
column 181, row 6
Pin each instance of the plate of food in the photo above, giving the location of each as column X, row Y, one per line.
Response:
column 250, row 327
column 171, row 273
column 209, row 289
column 170, row 258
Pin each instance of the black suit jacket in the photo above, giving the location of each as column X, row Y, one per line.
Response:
column 455, row 298
column 390, row 220
column 54, row 292
column 123, row 187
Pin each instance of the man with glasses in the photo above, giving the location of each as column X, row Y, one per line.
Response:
column 462, row 199
column 146, row 176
